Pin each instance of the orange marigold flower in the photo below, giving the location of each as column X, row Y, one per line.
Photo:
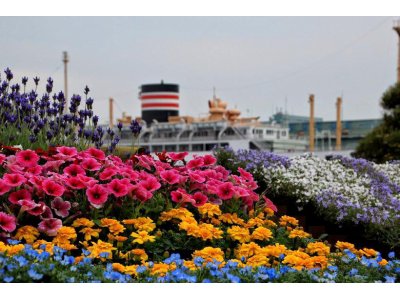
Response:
column 247, row 250
column 368, row 252
column 28, row 233
column 118, row 267
column 82, row 222
column 176, row 213
column 209, row 254
column 210, row 210
column 298, row 233
column 383, row 262
column 287, row 220
column 231, row 219
column 106, row 222
column 143, row 223
column 190, row 265
column 274, row 250
column 90, row 232
column 262, row 234
column 38, row 243
column 239, row 233
column 254, row 222
column 257, row 260
column 142, row 237
column 64, row 234
column 318, row 262
column 118, row 238
column 15, row 249
column 100, row 247
column 131, row 270
column 270, row 223
column 269, row 212
column 161, row 269
column 318, row 248
column 344, row 245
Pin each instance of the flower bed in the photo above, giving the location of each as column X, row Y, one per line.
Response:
column 342, row 190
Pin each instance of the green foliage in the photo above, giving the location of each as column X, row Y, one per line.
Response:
column 383, row 143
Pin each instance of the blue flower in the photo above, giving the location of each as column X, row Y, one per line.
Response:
column 391, row 255
column 353, row 272
column 34, row 275
column 22, row 261
column 13, row 242
column 389, row 279
column 198, row 261
column 104, row 254
column 233, row 278
column 141, row 269
column 206, row 280
column 8, row 279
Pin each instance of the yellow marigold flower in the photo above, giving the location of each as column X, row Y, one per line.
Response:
column 254, row 222
column 298, row 253
column 274, row 250
column 28, row 233
column 239, row 233
column 143, row 223
column 210, row 210
column 3, row 247
column 344, row 245
column 367, row 252
column 209, row 254
column 142, row 237
column 262, row 234
column 231, row 219
column 318, row 248
column 176, row 213
column 270, row 223
column 82, row 222
column 257, row 260
column 191, row 228
column 100, row 247
column 240, row 264
column 90, row 232
column 247, row 250
column 118, row 267
column 298, row 233
column 131, row 270
column 135, row 254
column 287, row 220
column 251, row 213
column 78, row 259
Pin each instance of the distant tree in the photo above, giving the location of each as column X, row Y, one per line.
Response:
column 383, row 142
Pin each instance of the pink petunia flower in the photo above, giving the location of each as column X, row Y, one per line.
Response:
column 61, row 207
column 2, row 158
column 38, row 210
column 199, row 199
column 91, row 164
column 27, row 158
column 94, row 153
column 52, row 188
column 65, row 153
column 225, row 191
column 177, row 156
column 27, row 204
column 141, row 194
column 50, row 226
column 151, row 184
column 181, row 196
column 75, row 183
column 118, row 188
column 108, row 173
column 14, row 179
column 22, row 194
column 196, row 176
column 195, row 163
column 4, row 187
column 74, row 170
column 97, row 195
column 7, row 223
column 170, row 176
column 269, row 204
column 209, row 160
column 87, row 181
column 244, row 174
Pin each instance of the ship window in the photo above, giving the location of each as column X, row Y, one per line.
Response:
column 209, row 147
column 224, row 144
column 198, row 147
column 270, row 132
column 157, row 148
column 283, row 133
column 183, row 147
column 169, row 148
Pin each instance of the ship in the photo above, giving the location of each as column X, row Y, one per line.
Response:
column 163, row 129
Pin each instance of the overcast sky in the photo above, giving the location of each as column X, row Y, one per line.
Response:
column 255, row 63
